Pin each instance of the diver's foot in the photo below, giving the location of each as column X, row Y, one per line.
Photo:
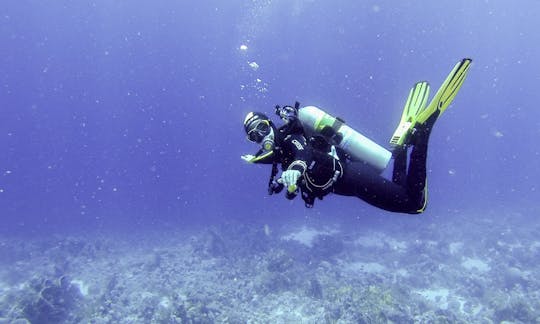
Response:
column 422, row 131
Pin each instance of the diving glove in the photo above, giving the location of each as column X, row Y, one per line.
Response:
column 289, row 178
column 248, row 157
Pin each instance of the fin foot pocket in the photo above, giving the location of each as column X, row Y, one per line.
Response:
column 416, row 102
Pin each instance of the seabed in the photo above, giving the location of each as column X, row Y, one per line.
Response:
column 481, row 272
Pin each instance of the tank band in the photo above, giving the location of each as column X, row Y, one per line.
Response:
column 338, row 122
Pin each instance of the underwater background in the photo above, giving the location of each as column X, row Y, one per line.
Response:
column 123, row 197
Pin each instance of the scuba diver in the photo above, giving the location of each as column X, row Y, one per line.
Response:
column 319, row 154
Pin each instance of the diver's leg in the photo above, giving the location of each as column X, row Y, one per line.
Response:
column 416, row 176
column 424, row 121
column 410, row 197
column 367, row 184
column 399, row 172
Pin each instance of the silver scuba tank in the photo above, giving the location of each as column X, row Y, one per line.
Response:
column 316, row 121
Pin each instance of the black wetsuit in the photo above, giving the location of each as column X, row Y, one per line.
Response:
column 323, row 173
column 406, row 193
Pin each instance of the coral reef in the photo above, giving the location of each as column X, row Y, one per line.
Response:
column 239, row 273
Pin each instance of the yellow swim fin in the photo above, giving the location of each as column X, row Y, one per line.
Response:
column 447, row 92
column 415, row 103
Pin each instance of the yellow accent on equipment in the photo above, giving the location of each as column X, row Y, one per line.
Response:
column 416, row 101
column 448, row 91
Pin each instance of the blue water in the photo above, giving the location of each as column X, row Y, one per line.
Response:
column 131, row 111
column 127, row 115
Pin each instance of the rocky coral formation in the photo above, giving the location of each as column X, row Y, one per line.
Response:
column 235, row 273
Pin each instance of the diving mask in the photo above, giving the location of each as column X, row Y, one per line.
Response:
column 260, row 130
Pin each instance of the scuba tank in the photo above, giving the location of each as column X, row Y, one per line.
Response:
column 359, row 147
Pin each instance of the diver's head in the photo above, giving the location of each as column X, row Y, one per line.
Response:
column 259, row 130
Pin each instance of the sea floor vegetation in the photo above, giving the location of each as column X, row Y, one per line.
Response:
column 466, row 269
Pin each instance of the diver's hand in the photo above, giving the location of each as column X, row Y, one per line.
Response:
column 289, row 178
column 248, row 157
